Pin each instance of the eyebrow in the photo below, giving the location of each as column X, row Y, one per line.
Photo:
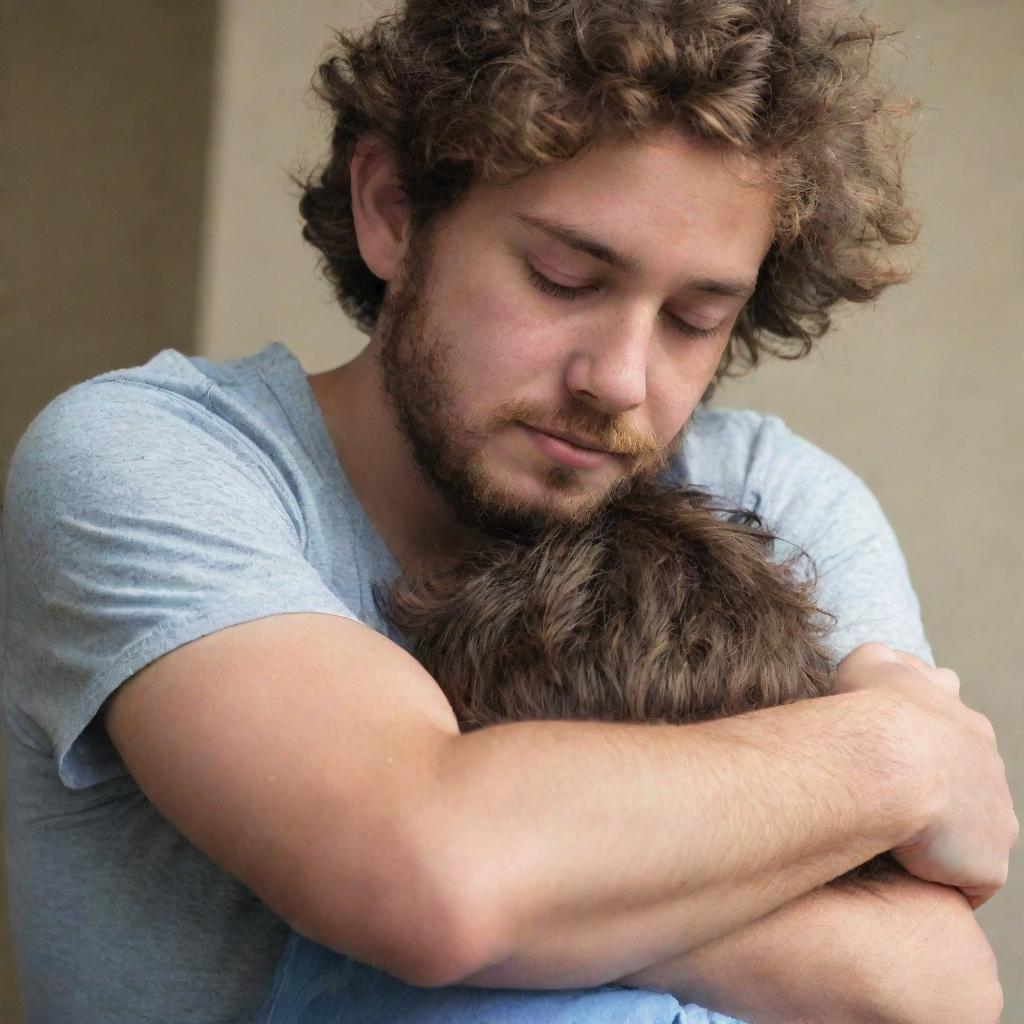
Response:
column 575, row 238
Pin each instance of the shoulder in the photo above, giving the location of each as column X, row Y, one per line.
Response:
column 820, row 511
column 138, row 517
column 154, row 435
column 755, row 460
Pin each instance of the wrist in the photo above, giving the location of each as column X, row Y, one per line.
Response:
column 901, row 780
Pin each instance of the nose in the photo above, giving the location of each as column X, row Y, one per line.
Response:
column 609, row 371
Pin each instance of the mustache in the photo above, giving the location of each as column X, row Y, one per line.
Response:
column 609, row 432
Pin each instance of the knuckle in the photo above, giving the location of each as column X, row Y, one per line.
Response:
column 910, row 659
column 874, row 649
column 983, row 723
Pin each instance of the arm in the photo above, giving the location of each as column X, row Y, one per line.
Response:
column 908, row 952
column 882, row 946
column 318, row 763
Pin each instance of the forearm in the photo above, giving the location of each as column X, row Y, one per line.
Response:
column 599, row 849
column 904, row 952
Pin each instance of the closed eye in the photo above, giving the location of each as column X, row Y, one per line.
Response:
column 562, row 291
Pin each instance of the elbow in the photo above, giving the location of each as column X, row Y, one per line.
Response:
column 451, row 931
column 945, row 970
column 978, row 996
column 437, row 957
column 425, row 917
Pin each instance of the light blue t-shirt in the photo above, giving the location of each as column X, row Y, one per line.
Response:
column 151, row 506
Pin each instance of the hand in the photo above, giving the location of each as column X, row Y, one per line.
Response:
column 968, row 825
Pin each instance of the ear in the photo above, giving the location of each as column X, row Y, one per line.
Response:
column 380, row 207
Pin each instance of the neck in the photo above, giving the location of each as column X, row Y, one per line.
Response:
column 411, row 518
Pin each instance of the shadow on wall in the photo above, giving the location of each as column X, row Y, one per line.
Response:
column 102, row 202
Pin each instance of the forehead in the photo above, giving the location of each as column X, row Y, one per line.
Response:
column 665, row 203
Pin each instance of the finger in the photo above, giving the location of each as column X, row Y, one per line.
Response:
column 978, row 897
column 983, row 723
column 946, row 679
column 911, row 659
column 873, row 650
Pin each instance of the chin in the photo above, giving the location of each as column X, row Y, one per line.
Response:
column 561, row 496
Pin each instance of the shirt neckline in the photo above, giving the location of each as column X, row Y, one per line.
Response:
column 277, row 364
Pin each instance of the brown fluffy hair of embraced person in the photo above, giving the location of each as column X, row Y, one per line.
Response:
column 468, row 91
column 667, row 608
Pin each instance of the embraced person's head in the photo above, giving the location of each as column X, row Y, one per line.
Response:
column 667, row 608
column 671, row 607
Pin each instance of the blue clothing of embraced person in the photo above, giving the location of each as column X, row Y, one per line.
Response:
column 559, row 224
column 314, row 985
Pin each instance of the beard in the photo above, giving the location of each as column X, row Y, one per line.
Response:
column 416, row 367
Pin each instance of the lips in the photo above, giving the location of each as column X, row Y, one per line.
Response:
column 590, row 446
column 567, row 449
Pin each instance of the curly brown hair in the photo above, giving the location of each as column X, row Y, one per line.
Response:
column 666, row 608
column 467, row 91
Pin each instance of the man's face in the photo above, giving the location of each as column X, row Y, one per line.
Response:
column 536, row 372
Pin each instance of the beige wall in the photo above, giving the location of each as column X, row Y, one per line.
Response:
column 104, row 109
column 266, row 125
column 103, row 129
column 920, row 396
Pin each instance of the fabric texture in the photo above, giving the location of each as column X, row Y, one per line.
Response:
column 314, row 985
column 154, row 505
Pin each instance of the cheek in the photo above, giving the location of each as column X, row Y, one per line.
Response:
column 498, row 346
column 669, row 410
column 678, row 385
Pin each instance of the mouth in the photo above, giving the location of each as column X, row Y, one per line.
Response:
column 575, row 440
column 568, row 449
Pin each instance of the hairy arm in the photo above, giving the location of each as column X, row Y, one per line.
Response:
column 902, row 952
column 712, row 890
column 610, row 843
column 551, row 854
column 528, row 855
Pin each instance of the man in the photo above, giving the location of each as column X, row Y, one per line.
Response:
column 559, row 221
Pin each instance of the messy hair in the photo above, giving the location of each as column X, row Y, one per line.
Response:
column 473, row 91
column 669, row 608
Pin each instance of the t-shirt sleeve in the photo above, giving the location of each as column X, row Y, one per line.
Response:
column 817, row 505
column 135, row 521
